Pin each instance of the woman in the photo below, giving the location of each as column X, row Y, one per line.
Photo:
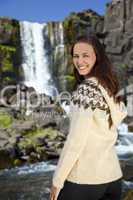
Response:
column 88, row 168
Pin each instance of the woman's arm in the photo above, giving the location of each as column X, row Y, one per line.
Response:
column 73, row 146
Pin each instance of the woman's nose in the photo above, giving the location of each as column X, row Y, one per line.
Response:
column 80, row 61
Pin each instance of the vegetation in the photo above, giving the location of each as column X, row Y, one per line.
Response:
column 5, row 120
column 9, row 50
column 70, row 82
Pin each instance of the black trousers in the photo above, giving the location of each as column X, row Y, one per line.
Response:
column 107, row 191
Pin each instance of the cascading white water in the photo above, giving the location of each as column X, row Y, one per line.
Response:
column 59, row 40
column 59, row 53
column 35, row 59
column 125, row 144
column 61, row 30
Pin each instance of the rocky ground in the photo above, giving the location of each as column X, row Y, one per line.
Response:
column 28, row 139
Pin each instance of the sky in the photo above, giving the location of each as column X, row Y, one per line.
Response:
column 48, row 10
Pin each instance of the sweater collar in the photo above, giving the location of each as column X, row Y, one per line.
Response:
column 92, row 78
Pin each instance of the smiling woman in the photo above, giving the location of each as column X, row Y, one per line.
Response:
column 88, row 167
column 84, row 57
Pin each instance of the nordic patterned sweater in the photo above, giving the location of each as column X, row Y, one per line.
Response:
column 88, row 155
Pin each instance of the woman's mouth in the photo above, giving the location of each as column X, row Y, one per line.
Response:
column 82, row 68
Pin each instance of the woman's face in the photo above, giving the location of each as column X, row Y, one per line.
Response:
column 84, row 58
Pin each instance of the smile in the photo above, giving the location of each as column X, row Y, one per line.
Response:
column 82, row 68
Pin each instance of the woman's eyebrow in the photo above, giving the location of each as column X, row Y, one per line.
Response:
column 75, row 54
column 81, row 53
column 85, row 52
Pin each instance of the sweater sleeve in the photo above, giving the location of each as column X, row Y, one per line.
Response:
column 69, row 155
column 76, row 141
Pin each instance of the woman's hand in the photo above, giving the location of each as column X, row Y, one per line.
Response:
column 53, row 193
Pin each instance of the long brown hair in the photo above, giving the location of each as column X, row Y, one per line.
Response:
column 103, row 68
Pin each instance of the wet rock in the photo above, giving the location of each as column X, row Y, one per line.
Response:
column 23, row 126
column 5, row 160
column 129, row 195
column 128, row 172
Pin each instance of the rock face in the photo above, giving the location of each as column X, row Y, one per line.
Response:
column 118, row 28
column 9, row 51
column 119, row 42
column 82, row 22
column 118, row 37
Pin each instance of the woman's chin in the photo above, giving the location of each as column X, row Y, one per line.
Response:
column 83, row 73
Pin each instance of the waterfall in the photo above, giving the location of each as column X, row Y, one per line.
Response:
column 56, row 33
column 60, row 53
column 59, row 35
column 35, row 62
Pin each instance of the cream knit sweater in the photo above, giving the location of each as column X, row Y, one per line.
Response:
column 88, row 155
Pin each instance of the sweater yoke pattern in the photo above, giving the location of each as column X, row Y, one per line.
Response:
column 88, row 94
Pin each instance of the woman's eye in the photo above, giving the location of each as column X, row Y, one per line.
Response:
column 75, row 56
column 83, row 56
column 86, row 55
